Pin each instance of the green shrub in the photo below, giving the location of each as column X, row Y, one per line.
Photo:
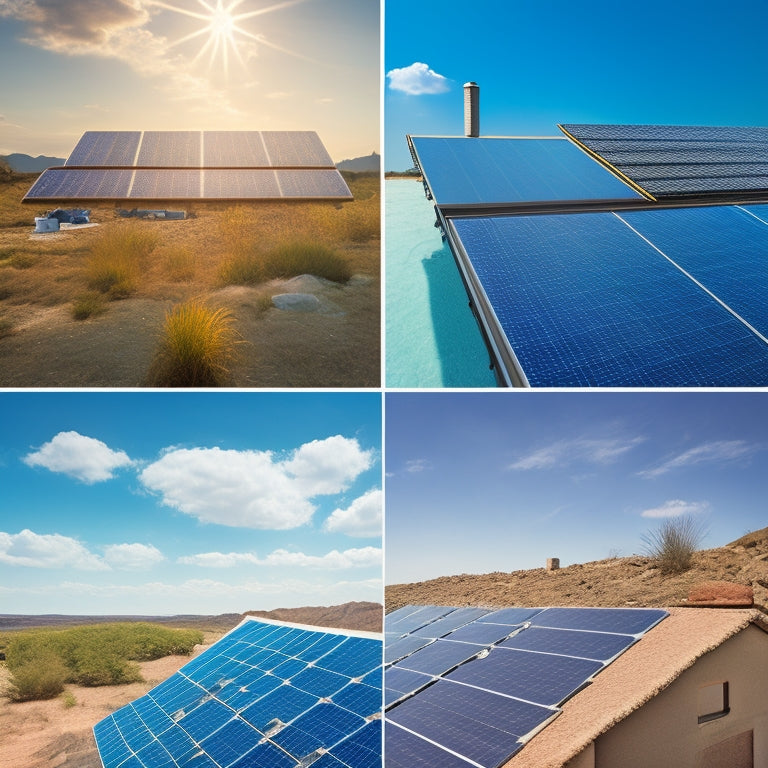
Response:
column 301, row 258
column 674, row 543
column 43, row 678
column 88, row 304
column 197, row 347
column 68, row 699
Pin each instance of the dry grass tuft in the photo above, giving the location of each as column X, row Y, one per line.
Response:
column 197, row 347
column 306, row 257
column 88, row 304
column 673, row 544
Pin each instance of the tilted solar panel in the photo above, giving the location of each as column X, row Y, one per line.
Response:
column 296, row 148
column 234, row 149
column 77, row 184
column 483, row 171
column 115, row 148
column 673, row 161
column 266, row 695
column 170, row 149
column 486, row 707
column 584, row 300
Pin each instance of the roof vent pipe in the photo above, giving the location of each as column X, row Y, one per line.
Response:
column 471, row 109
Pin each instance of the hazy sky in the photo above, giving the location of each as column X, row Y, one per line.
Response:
column 543, row 63
column 75, row 65
column 501, row 481
column 164, row 503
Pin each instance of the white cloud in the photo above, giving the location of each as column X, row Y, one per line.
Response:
column 417, row 79
column 365, row 557
column 417, row 465
column 362, row 517
column 132, row 556
column 714, row 452
column 328, row 466
column 676, row 508
column 253, row 489
column 78, row 456
column 47, row 551
column 580, row 450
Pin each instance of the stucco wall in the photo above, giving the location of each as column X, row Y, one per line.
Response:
column 666, row 732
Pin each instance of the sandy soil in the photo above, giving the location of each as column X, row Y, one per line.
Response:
column 621, row 581
column 48, row 734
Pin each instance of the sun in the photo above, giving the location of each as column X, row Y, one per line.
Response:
column 223, row 35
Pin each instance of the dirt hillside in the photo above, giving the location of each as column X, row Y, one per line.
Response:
column 358, row 616
column 621, row 581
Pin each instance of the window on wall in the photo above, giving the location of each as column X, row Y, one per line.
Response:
column 713, row 701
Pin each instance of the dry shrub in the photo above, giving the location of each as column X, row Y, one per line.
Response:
column 179, row 264
column 87, row 305
column 241, row 267
column 306, row 258
column 197, row 347
column 674, row 543
column 118, row 258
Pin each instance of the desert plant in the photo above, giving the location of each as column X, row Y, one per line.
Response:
column 88, row 304
column 306, row 257
column 241, row 267
column 179, row 264
column 115, row 264
column 68, row 699
column 673, row 544
column 42, row 678
column 197, row 347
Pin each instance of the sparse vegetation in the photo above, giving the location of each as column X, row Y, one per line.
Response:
column 88, row 304
column 197, row 347
column 68, row 699
column 306, row 257
column 242, row 267
column 116, row 261
column 42, row 661
column 673, row 544
column 180, row 264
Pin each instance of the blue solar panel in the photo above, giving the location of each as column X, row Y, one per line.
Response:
column 626, row 621
column 461, row 171
column 362, row 749
column 222, row 711
column 403, row 646
column 113, row 148
column 412, row 618
column 473, row 723
column 408, row 750
column 453, row 620
column 682, row 160
column 600, row 646
column 73, row 184
column 170, row 149
column 234, row 149
column 296, row 148
column 438, row 657
column 490, row 703
column 544, row 678
column 584, row 301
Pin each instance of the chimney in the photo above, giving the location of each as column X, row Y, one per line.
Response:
column 471, row 109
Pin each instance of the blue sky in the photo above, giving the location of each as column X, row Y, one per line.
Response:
column 75, row 65
column 500, row 481
column 165, row 503
column 538, row 64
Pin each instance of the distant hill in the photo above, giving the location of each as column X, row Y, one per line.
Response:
column 359, row 615
column 370, row 162
column 615, row 582
column 26, row 164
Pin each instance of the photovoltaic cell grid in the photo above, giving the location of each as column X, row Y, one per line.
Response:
column 189, row 165
column 632, row 295
column 487, row 680
column 673, row 161
column 267, row 695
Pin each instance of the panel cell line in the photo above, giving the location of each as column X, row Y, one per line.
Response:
column 113, row 148
column 222, row 710
column 668, row 161
column 584, row 299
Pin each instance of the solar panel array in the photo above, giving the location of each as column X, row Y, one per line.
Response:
column 470, row 686
column 192, row 165
column 267, row 695
column 673, row 161
column 579, row 279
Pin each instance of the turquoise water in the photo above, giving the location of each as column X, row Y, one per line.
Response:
column 432, row 339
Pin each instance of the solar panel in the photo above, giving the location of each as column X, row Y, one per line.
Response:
column 190, row 165
column 583, row 300
column 673, row 161
column 475, row 171
column 267, row 694
column 453, row 620
column 494, row 697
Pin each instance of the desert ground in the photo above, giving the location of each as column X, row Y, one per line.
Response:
column 337, row 344
column 617, row 581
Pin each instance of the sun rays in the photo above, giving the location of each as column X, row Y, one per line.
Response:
column 223, row 35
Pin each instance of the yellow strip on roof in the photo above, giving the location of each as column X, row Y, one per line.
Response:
column 612, row 168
